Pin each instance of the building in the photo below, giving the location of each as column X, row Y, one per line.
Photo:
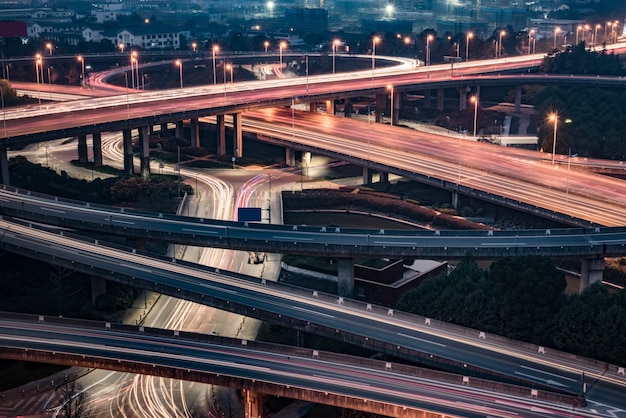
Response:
column 149, row 37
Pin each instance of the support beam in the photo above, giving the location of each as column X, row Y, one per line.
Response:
column 427, row 100
column 163, row 127
column 462, row 98
column 290, row 157
column 4, row 167
column 254, row 404
column 330, row 107
column 518, row 99
column 313, row 107
column 98, row 287
column 440, row 99
column 345, row 276
column 96, row 143
column 82, row 149
column 347, row 108
column 381, row 103
column 144, row 151
column 195, row 133
column 129, row 166
column 367, row 175
column 221, row 135
column 397, row 106
column 591, row 271
column 455, row 199
column 180, row 129
column 383, row 177
column 237, row 136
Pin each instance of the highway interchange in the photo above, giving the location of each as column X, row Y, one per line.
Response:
column 286, row 117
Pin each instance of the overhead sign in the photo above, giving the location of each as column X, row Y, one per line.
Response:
column 249, row 214
column 449, row 58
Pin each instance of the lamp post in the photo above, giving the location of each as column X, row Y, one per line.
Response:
column 49, row 48
column 554, row 117
column 82, row 66
column 595, row 35
column 179, row 63
column 474, row 99
column 38, row 63
column 281, row 45
column 585, row 29
column 578, row 28
column 469, row 36
column 335, row 44
column 428, row 39
column 266, row 44
column 214, row 49
column 132, row 71
column 530, row 35
column 390, row 87
column 121, row 47
column 375, row 40
column 499, row 51
column 606, row 27
column 229, row 67
column 194, row 46
column 49, row 82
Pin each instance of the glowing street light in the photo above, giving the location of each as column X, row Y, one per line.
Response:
column 390, row 87
column 556, row 32
column 214, row 49
column 595, row 35
column 499, row 49
column 179, row 63
column 531, row 34
column 49, row 48
column 469, row 36
column 194, row 46
column 229, row 67
column 375, row 40
column 335, row 45
column 266, row 44
column 474, row 99
column 554, row 117
column 82, row 64
column 428, row 39
column 389, row 10
column 270, row 6
column 38, row 64
column 281, row 46
column 121, row 47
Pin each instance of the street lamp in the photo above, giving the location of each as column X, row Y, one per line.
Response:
column 335, row 44
column 499, row 51
column 121, row 47
column 38, row 64
column 215, row 49
column 375, row 40
column 585, row 29
column 266, row 44
column 595, row 35
column 556, row 32
column 49, row 47
column 132, row 71
column 530, row 35
column 428, row 39
column 390, row 87
column 179, row 63
column 194, row 46
column 82, row 65
column 554, row 117
column 469, row 36
column 281, row 45
column 578, row 28
column 229, row 67
column 270, row 6
column 474, row 99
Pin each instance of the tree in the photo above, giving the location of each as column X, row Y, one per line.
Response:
column 72, row 401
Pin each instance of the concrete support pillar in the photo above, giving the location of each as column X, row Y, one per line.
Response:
column 381, row 103
column 440, row 98
column 591, row 271
column 290, row 157
column 151, row 130
column 82, row 149
column 455, row 199
column 144, row 151
column 397, row 105
column 518, row 99
column 427, row 99
column 330, row 107
column 98, row 287
column 96, row 143
column 237, row 136
column 254, row 404
column 163, row 127
column 347, row 108
column 180, row 129
column 128, row 152
column 345, row 276
column 313, row 107
column 462, row 98
column 221, row 135
column 384, row 177
column 4, row 167
column 306, row 159
column 367, row 175
column 195, row 133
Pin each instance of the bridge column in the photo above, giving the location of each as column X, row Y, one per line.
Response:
column 440, row 98
column 254, row 404
column 221, row 135
column 345, row 276
column 462, row 98
column 180, row 129
column 163, row 127
column 4, row 167
column 518, row 99
column 591, row 271
column 313, row 107
column 397, row 106
column 427, row 99
column 195, row 133
column 290, row 157
column 98, row 287
column 330, row 107
column 129, row 166
column 383, row 178
column 455, row 199
column 82, row 149
column 96, row 143
column 347, row 108
column 381, row 103
column 144, row 151
column 237, row 136
column 367, row 175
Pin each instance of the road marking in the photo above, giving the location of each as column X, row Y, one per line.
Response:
column 548, row 373
column 501, row 244
column 421, row 339
column 548, row 381
column 311, row 311
column 200, row 231
column 292, row 238
column 123, row 222
column 51, row 210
